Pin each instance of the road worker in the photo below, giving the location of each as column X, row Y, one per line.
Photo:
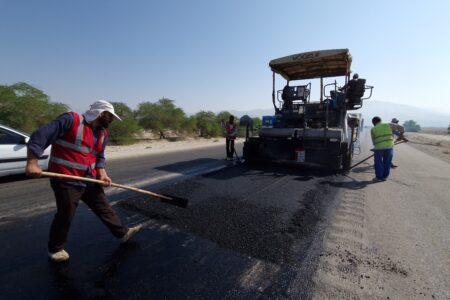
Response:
column 383, row 142
column 230, row 135
column 398, row 132
column 350, row 84
column 78, row 145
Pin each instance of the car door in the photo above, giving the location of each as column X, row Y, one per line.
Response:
column 13, row 152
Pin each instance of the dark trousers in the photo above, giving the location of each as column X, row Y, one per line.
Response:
column 230, row 148
column 382, row 162
column 67, row 198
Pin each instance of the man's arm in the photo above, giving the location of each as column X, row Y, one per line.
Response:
column 401, row 130
column 101, row 163
column 372, row 136
column 42, row 138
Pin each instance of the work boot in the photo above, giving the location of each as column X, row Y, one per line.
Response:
column 59, row 256
column 393, row 166
column 131, row 232
column 376, row 179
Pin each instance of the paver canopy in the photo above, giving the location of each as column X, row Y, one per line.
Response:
column 314, row 64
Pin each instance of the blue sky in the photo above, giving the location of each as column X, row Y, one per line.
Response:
column 214, row 55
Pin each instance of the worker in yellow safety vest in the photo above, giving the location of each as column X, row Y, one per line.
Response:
column 383, row 143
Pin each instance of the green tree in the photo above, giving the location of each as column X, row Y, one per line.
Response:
column 208, row 124
column 122, row 110
column 26, row 108
column 411, row 126
column 190, row 125
column 257, row 124
column 223, row 116
column 123, row 132
column 160, row 116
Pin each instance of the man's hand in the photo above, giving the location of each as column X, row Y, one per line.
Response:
column 32, row 168
column 104, row 177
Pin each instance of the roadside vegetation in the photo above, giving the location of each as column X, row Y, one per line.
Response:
column 26, row 108
column 411, row 126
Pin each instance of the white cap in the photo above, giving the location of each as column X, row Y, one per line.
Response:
column 97, row 108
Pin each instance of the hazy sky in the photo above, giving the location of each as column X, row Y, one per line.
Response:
column 214, row 55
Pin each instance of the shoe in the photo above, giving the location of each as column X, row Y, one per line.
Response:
column 131, row 232
column 376, row 179
column 393, row 166
column 59, row 256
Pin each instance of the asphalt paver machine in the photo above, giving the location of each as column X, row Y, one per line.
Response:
column 306, row 132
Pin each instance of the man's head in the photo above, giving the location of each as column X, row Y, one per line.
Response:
column 231, row 119
column 395, row 121
column 355, row 76
column 102, row 113
column 376, row 120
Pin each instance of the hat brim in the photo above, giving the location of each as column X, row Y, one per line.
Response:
column 114, row 114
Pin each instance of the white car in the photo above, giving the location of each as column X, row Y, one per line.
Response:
column 13, row 152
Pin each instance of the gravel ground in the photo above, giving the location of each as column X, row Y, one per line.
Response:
column 437, row 145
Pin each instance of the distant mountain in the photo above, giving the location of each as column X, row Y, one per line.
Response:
column 388, row 110
column 385, row 110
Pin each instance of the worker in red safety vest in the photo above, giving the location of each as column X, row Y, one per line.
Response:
column 231, row 132
column 78, row 145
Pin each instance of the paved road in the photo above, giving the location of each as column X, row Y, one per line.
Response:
column 249, row 233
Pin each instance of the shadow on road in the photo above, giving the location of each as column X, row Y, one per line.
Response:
column 72, row 285
column 11, row 178
column 352, row 184
column 365, row 169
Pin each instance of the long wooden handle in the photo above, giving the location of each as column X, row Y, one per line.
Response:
column 57, row 175
column 357, row 164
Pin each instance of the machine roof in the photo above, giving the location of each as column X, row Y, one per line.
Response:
column 314, row 64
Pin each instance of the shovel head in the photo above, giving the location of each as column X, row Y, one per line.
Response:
column 177, row 201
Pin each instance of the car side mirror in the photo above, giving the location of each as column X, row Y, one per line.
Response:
column 24, row 140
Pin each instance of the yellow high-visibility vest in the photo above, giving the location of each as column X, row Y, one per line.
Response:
column 382, row 136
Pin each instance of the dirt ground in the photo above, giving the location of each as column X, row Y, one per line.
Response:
column 434, row 141
column 161, row 146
